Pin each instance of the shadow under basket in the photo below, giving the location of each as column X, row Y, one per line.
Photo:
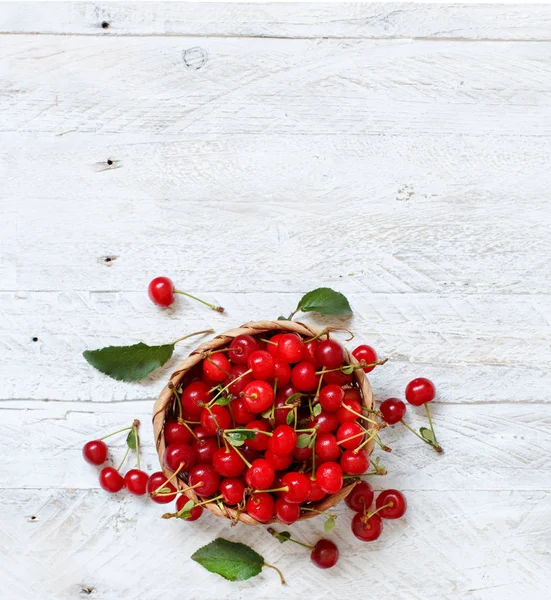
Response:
column 165, row 407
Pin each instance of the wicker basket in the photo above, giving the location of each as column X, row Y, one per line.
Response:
column 165, row 403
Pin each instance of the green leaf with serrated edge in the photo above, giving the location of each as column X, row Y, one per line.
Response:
column 132, row 440
column 290, row 417
column 348, row 369
column 224, row 401
column 282, row 536
column 329, row 525
column 232, row 561
column 241, row 435
column 293, row 398
column 129, row 363
column 303, row 440
column 427, row 435
column 316, row 410
column 325, row 301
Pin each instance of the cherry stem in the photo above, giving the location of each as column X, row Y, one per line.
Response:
column 372, row 436
column 283, row 582
column 311, row 429
column 268, row 341
column 182, row 422
column 320, row 512
column 179, row 402
column 245, row 429
column 352, row 437
column 415, row 433
column 124, row 458
column 241, row 455
column 207, row 358
column 435, row 445
column 313, row 476
column 154, row 493
column 388, row 505
column 281, row 489
column 227, row 386
column 185, row 337
column 360, row 415
column 383, row 447
column 276, row 534
column 115, row 432
column 135, row 429
column 214, row 307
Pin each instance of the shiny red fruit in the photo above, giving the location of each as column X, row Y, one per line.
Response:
column 349, row 411
column 177, row 433
column 302, row 454
column 238, row 379
column 309, row 354
column 397, row 501
column 261, row 507
column 330, row 354
column 241, row 347
column 176, row 455
column 278, row 463
column 161, row 291
column 367, row 529
column 259, row 396
column 216, row 367
column 205, row 449
column 283, row 440
column 288, row 512
column 338, row 378
column 420, row 391
column 135, row 481
column 194, row 398
column 367, row 354
column 262, row 364
column 215, row 418
column 329, row 477
column 240, row 412
column 326, row 422
column 331, row 397
column 195, row 512
column 95, row 452
column 290, row 348
column 316, row 493
column 282, row 372
column 299, row 487
column 228, row 463
column 325, row 554
column 156, row 481
column 303, row 376
column 260, row 475
column 233, row 491
column 353, row 463
column 360, row 498
column 327, row 448
column 393, row 410
column 207, row 477
column 111, row 480
column 353, row 433
column 260, row 440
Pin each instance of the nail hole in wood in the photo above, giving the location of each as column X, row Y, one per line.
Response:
column 35, row 339
column 105, row 25
column 86, row 589
column 109, row 162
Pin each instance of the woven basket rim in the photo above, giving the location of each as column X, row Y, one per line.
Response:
column 166, row 398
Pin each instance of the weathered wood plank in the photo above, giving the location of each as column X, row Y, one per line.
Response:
column 308, row 20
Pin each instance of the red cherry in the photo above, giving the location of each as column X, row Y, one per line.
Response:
column 338, row 378
column 303, row 376
column 135, row 481
column 272, row 346
column 283, row 440
column 396, row 499
column 325, row 554
column 326, row 422
column 201, row 433
column 316, row 493
column 329, row 477
column 309, row 353
column 260, row 506
column 215, row 418
column 216, row 367
column 420, row 391
column 249, row 454
column 156, row 481
column 367, row 529
column 207, row 477
column 299, row 487
column 278, row 463
column 194, row 397
column 367, row 354
column 349, row 430
column 241, row 415
column 353, row 394
column 95, row 452
column 205, row 449
column 353, row 463
column 177, row 433
column 330, row 354
column 302, row 454
column 327, row 448
column 360, row 498
column 241, row 347
column 260, row 441
column 111, row 480
column 281, row 409
column 331, row 397
column 233, row 490
column 393, row 410
column 260, row 475
column 228, row 463
column 195, row 512
column 238, row 380
column 262, row 364
column 179, row 454
column 346, row 416
column 288, row 512
column 290, row 348
column 282, row 372
column 259, row 396
column 161, row 291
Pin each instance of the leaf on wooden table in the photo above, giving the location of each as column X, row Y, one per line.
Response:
column 427, row 435
column 231, row 560
column 132, row 440
column 129, row 363
column 324, row 301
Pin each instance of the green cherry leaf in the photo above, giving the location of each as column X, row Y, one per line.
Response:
column 237, row 438
column 329, row 525
column 324, row 301
column 133, row 439
column 348, row 369
column 236, row 442
column 290, row 417
column 224, row 401
column 303, row 440
column 282, row 536
column 427, row 435
column 267, row 413
column 293, row 398
column 188, row 506
column 129, row 363
column 231, row 560
column 317, row 409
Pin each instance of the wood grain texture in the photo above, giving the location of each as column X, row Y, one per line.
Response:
column 296, row 20
column 399, row 153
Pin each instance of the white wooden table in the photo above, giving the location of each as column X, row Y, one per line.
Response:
column 398, row 153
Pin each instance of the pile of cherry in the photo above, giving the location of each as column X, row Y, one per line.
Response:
column 270, row 426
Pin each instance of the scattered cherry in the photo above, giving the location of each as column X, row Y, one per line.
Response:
column 95, row 452
column 325, row 554
column 397, row 501
column 111, row 480
column 135, row 481
column 419, row 391
column 361, row 497
column 367, row 528
column 161, row 291
column 157, row 480
column 393, row 410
